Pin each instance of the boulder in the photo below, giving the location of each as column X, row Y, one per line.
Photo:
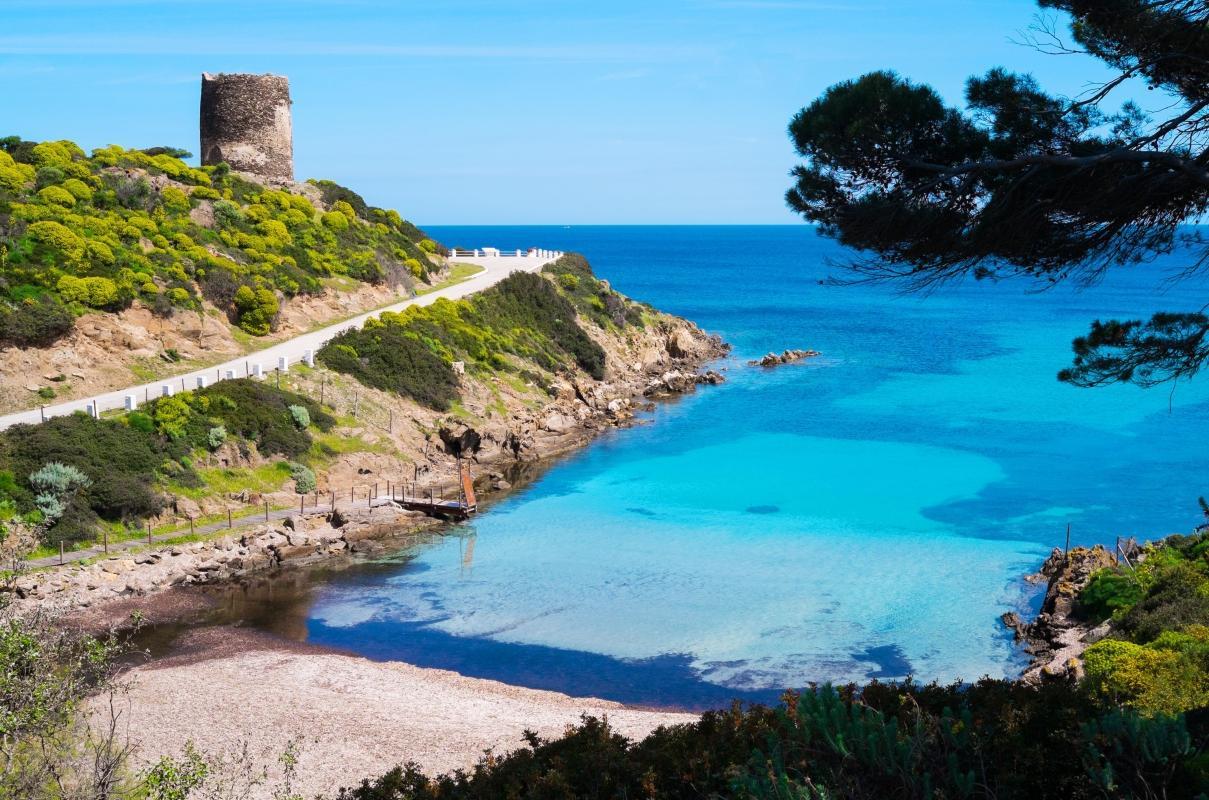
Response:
column 290, row 552
column 558, row 422
column 459, row 439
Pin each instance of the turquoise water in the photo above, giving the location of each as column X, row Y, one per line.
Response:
column 866, row 514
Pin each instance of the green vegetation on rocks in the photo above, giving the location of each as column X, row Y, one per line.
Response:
column 68, row 474
column 1157, row 658
column 81, row 232
column 531, row 317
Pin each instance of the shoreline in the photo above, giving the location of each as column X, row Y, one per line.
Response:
column 348, row 717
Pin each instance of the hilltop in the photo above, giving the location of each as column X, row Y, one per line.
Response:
column 123, row 265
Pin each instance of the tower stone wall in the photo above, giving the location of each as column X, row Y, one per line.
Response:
column 245, row 121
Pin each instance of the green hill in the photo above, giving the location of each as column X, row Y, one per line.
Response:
column 85, row 232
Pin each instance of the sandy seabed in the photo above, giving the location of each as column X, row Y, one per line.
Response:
column 351, row 718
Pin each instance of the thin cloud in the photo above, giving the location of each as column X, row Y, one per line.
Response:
column 162, row 46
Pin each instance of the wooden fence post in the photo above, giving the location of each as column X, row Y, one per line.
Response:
column 148, row 531
column 105, row 539
column 191, row 531
column 60, row 552
column 266, row 510
column 301, row 503
column 229, row 523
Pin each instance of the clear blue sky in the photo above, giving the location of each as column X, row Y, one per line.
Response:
column 516, row 111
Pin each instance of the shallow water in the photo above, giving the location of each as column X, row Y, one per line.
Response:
column 866, row 514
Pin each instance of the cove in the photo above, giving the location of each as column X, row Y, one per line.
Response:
column 867, row 514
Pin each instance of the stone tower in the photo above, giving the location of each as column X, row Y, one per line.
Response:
column 245, row 121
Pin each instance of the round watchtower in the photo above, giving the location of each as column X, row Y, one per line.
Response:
column 245, row 121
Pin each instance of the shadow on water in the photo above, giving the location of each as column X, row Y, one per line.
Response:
column 280, row 605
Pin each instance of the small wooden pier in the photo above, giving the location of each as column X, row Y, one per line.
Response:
column 435, row 506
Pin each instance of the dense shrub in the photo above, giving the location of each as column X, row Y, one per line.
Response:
column 386, row 357
column 34, row 323
column 118, row 461
column 411, row 352
column 253, row 410
column 1166, row 676
column 257, row 309
column 303, row 477
column 301, row 417
column 592, row 297
column 992, row 740
column 92, row 219
column 1158, row 658
column 216, row 437
column 1108, row 592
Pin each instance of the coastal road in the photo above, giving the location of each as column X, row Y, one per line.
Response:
column 495, row 269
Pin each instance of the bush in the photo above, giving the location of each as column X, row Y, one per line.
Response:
column 335, row 220
column 125, row 456
column 93, row 292
column 1178, row 598
column 216, row 437
column 57, row 195
column 303, row 477
column 1153, row 678
column 411, row 353
column 257, row 309
column 1109, row 591
column 56, row 243
column 35, row 323
column 994, row 739
column 87, row 216
column 388, row 358
column 301, row 417
column 260, row 413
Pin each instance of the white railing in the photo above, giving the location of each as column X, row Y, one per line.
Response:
column 258, row 366
column 495, row 252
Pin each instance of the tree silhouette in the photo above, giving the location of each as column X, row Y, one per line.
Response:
column 1022, row 182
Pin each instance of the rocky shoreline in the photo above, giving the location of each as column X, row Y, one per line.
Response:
column 1056, row 638
column 580, row 409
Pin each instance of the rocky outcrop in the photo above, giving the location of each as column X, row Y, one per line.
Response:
column 459, row 439
column 1057, row 638
column 787, row 357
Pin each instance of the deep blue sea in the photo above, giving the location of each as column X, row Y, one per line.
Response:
column 868, row 514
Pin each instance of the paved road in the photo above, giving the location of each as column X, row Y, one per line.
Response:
column 495, row 269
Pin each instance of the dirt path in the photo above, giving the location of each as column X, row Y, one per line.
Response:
column 495, row 269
